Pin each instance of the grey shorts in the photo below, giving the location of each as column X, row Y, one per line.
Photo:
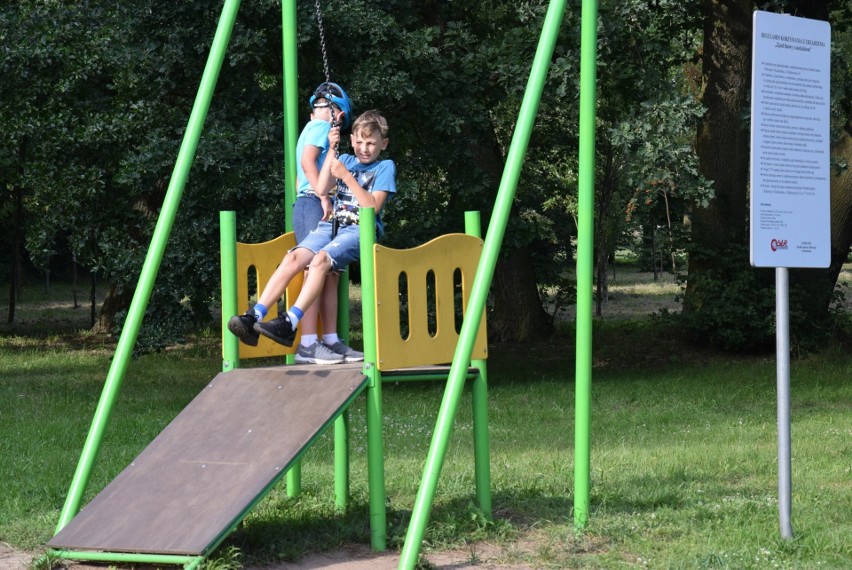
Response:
column 343, row 249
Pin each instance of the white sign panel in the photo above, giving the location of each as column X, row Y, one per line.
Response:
column 790, row 203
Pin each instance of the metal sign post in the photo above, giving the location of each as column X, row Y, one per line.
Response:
column 790, row 202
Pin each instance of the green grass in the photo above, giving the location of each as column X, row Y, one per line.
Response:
column 684, row 471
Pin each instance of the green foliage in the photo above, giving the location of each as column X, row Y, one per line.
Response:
column 646, row 168
column 734, row 307
column 96, row 96
column 98, row 99
column 449, row 76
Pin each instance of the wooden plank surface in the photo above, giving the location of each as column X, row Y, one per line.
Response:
column 213, row 460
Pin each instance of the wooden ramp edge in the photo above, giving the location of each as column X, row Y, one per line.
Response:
column 223, row 451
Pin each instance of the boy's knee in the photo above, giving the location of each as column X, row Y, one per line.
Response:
column 297, row 257
column 321, row 262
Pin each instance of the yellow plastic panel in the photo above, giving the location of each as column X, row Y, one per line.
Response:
column 442, row 257
column 263, row 258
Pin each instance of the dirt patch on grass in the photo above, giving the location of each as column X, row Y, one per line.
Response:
column 351, row 557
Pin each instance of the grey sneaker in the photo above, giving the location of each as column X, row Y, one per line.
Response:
column 317, row 353
column 348, row 353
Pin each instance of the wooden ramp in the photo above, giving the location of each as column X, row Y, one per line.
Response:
column 203, row 473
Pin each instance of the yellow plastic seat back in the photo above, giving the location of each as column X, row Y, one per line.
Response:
column 259, row 260
column 421, row 295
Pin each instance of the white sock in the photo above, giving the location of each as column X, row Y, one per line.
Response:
column 330, row 339
column 308, row 339
column 295, row 314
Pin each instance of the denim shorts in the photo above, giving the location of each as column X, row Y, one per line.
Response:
column 307, row 213
column 343, row 249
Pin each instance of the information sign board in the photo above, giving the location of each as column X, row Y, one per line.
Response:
column 790, row 201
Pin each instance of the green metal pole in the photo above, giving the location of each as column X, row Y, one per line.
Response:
column 375, row 437
column 585, row 255
column 341, row 425
column 289, row 31
column 341, row 462
column 290, row 74
column 481, row 442
column 481, row 284
column 343, row 307
column 153, row 259
column 228, row 254
column 126, row 558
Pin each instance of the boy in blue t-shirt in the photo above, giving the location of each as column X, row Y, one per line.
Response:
column 363, row 181
column 330, row 109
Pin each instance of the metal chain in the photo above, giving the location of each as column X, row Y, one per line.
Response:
column 326, row 68
column 322, row 42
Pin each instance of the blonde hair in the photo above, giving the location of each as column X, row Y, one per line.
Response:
column 370, row 122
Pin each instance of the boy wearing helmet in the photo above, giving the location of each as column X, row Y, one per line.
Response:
column 330, row 109
column 363, row 180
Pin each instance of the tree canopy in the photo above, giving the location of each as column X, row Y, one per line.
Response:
column 96, row 95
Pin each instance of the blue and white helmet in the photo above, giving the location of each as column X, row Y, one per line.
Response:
column 335, row 94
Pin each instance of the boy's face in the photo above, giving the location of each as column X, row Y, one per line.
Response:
column 367, row 147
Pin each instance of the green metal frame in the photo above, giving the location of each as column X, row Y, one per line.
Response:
column 481, row 284
column 458, row 371
column 585, row 257
column 375, row 432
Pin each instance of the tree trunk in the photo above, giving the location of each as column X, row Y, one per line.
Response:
column 17, row 238
column 723, row 138
column 15, row 281
column 601, row 285
column 518, row 315
column 92, row 300
column 74, row 274
column 113, row 303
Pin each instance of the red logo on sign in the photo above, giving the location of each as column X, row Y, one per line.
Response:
column 777, row 244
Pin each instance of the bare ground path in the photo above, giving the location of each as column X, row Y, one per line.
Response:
column 481, row 556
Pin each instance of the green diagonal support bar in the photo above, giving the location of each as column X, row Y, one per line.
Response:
column 585, row 257
column 481, row 284
column 135, row 314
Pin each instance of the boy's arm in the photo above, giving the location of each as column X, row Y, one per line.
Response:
column 379, row 199
column 324, row 180
column 309, row 165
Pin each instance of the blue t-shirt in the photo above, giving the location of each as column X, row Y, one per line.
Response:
column 315, row 134
column 378, row 176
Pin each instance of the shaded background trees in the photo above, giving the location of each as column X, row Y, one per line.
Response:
column 727, row 302
column 96, row 96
